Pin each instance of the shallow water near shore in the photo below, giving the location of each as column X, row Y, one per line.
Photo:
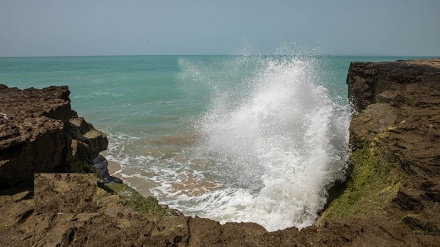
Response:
column 232, row 138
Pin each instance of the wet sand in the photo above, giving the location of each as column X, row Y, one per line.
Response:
column 132, row 178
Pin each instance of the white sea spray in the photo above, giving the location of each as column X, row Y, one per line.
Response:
column 273, row 149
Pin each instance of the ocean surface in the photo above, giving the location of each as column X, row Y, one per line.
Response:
column 231, row 138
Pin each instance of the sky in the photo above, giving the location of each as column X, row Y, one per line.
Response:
column 211, row 27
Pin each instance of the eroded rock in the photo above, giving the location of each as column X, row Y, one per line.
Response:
column 394, row 139
column 39, row 132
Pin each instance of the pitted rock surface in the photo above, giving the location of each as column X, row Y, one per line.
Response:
column 38, row 134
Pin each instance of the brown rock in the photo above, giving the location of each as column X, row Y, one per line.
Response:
column 369, row 82
column 36, row 134
column 65, row 192
column 398, row 124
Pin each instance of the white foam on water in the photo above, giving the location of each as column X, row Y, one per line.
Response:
column 274, row 151
column 270, row 144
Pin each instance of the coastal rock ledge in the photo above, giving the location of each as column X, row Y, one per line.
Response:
column 39, row 132
column 391, row 196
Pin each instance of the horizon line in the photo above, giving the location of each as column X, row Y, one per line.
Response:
column 324, row 54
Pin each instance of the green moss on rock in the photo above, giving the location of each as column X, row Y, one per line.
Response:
column 131, row 198
column 372, row 181
column 371, row 185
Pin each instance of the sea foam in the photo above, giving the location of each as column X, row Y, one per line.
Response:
column 273, row 148
column 266, row 149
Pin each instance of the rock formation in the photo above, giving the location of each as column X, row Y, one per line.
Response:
column 391, row 196
column 39, row 132
column 395, row 161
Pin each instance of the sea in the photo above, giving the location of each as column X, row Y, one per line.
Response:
column 232, row 138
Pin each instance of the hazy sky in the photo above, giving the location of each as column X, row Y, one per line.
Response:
column 150, row 27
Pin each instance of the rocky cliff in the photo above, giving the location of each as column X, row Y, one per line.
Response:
column 391, row 196
column 39, row 132
column 394, row 180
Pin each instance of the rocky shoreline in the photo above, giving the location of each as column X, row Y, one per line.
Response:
column 391, row 196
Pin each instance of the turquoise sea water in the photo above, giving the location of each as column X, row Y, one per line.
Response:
column 232, row 138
